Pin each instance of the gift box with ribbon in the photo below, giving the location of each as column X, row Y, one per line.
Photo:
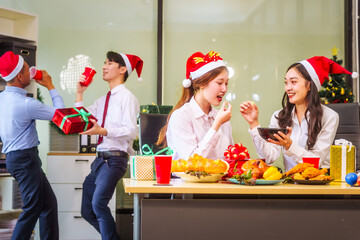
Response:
column 342, row 159
column 142, row 167
column 73, row 120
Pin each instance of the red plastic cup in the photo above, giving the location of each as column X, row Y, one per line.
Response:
column 312, row 160
column 163, row 168
column 89, row 74
column 35, row 74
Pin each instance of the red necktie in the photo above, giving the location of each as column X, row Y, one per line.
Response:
column 104, row 115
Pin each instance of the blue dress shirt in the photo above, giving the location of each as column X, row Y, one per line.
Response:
column 17, row 117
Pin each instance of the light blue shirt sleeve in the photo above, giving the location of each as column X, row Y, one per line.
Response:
column 38, row 110
column 57, row 100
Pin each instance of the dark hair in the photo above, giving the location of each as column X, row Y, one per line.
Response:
column 314, row 108
column 115, row 57
column 187, row 94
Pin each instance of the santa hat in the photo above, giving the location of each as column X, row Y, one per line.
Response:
column 10, row 65
column 198, row 64
column 320, row 67
column 133, row 62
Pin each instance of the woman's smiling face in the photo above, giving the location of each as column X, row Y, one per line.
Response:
column 296, row 87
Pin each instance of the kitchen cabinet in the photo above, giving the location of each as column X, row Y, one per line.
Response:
column 66, row 173
column 19, row 32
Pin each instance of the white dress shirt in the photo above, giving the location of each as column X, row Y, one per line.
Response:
column 121, row 119
column 189, row 131
column 299, row 136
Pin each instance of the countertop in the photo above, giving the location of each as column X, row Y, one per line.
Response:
column 180, row 186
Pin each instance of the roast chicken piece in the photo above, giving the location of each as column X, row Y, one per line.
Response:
column 298, row 176
column 299, row 168
column 312, row 172
column 321, row 177
column 257, row 166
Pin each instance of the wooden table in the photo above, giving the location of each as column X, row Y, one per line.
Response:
column 230, row 211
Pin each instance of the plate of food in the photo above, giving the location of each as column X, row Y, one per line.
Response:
column 306, row 173
column 199, row 177
column 257, row 181
column 267, row 133
column 311, row 182
column 200, row 169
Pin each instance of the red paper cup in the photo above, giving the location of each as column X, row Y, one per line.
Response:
column 312, row 160
column 35, row 74
column 163, row 168
column 89, row 74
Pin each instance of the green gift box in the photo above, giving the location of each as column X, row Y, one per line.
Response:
column 142, row 167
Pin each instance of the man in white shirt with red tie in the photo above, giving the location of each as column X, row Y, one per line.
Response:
column 117, row 128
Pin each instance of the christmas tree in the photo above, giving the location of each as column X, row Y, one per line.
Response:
column 335, row 90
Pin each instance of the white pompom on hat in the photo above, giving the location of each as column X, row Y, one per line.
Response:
column 133, row 62
column 319, row 68
column 10, row 65
column 198, row 64
column 186, row 83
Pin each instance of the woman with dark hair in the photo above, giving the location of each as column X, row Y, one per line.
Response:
column 194, row 126
column 311, row 125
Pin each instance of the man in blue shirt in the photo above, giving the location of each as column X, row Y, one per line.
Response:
column 20, row 140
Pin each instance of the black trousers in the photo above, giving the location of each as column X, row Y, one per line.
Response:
column 36, row 193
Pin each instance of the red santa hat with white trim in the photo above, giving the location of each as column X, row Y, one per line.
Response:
column 320, row 67
column 198, row 64
column 133, row 62
column 10, row 65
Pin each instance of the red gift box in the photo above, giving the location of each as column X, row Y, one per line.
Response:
column 236, row 156
column 73, row 120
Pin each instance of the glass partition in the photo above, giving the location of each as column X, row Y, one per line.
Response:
column 73, row 34
column 259, row 39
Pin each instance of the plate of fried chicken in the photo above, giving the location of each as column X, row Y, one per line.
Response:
column 311, row 182
column 306, row 173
